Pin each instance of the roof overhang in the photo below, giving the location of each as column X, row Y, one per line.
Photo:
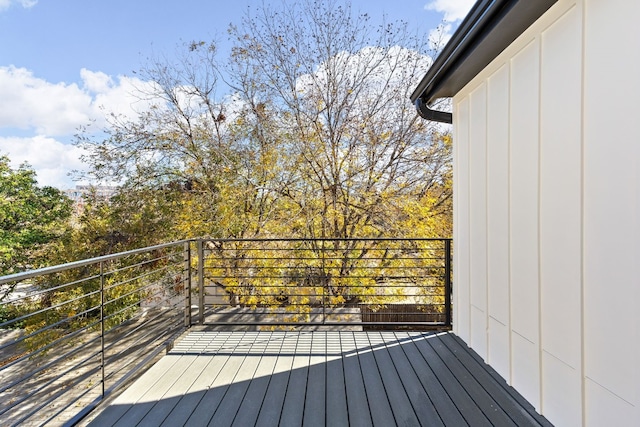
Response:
column 487, row 30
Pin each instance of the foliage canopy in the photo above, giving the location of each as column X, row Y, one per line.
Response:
column 317, row 139
column 30, row 217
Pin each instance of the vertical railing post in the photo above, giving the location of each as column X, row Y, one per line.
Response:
column 325, row 284
column 447, row 281
column 187, row 283
column 102, row 329
column 201, row 281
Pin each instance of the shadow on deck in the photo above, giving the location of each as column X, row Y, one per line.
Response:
column 319, row 379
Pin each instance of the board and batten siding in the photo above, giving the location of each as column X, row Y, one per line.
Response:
column 547, row 213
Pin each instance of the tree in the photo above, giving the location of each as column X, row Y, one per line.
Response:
column 359, row 162
column 305, row 131
column 187, row 143
column 31, row 217
column 339, row 89
column 317, row 139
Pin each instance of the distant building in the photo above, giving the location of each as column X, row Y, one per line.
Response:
column 101, row 192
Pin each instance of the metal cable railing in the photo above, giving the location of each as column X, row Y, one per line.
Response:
column 356, row 283
column 72, row 334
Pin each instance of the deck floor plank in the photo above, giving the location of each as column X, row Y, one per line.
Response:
column 154, row 395
column 293, row 408
column 447, row 410
column 315, row 401
column 337, row 411
column 358, row 407
column 522, row 412
column 484, row 401
column 400, row 404
column 235, row 393
column 276, row 391
column 212, row 398
column 381, row 412
column 253, row 400
column 129, row 399
column 198, row 389
column 320, row 378
column 171, row 399
column 453, row 388
column 416, row 394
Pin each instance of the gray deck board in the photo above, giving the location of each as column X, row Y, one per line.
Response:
column 401, row 405
column 444, row 405
column 293, row 409
column 197, row 389
column 463, row 402
column 381, row 412
column 337, row 411
column 161, row 411
column 212, row 398
column 276, row 391
column 420, row 401
column 153, row 391
column 485, row 402
column 129, row 401
column 235, row 393
column 253, row 399
column 320, row 378
column 522, row 412
column 314, row 412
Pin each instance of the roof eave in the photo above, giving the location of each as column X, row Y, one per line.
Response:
column 488, row 29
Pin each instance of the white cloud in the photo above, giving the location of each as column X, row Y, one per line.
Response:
column 375, row 69
column 373, row 82
column 33, row 103
column 51, row 159
column 453, row 10
column 96, row 81
column 27, row 4
column 439, row 36
column 121, row 95
column 57, row 109
column 46, row 115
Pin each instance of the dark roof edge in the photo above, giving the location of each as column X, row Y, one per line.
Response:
column 487, row 30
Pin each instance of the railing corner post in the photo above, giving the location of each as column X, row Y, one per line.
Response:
column 102, row 328
column 201, row 281
column 187, row 283
column 447, row 281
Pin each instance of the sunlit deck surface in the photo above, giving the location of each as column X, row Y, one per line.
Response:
column 319, row 379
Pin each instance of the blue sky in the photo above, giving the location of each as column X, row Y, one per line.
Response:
column 60, row 60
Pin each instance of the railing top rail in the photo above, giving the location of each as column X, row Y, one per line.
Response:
column 75, row 264
column 327, row 239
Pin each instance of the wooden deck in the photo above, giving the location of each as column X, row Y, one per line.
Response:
column 319, row 379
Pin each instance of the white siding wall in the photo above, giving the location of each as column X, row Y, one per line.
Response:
column 611, row 209
column 547, row 213
column 478, row 218
column 499, row 337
